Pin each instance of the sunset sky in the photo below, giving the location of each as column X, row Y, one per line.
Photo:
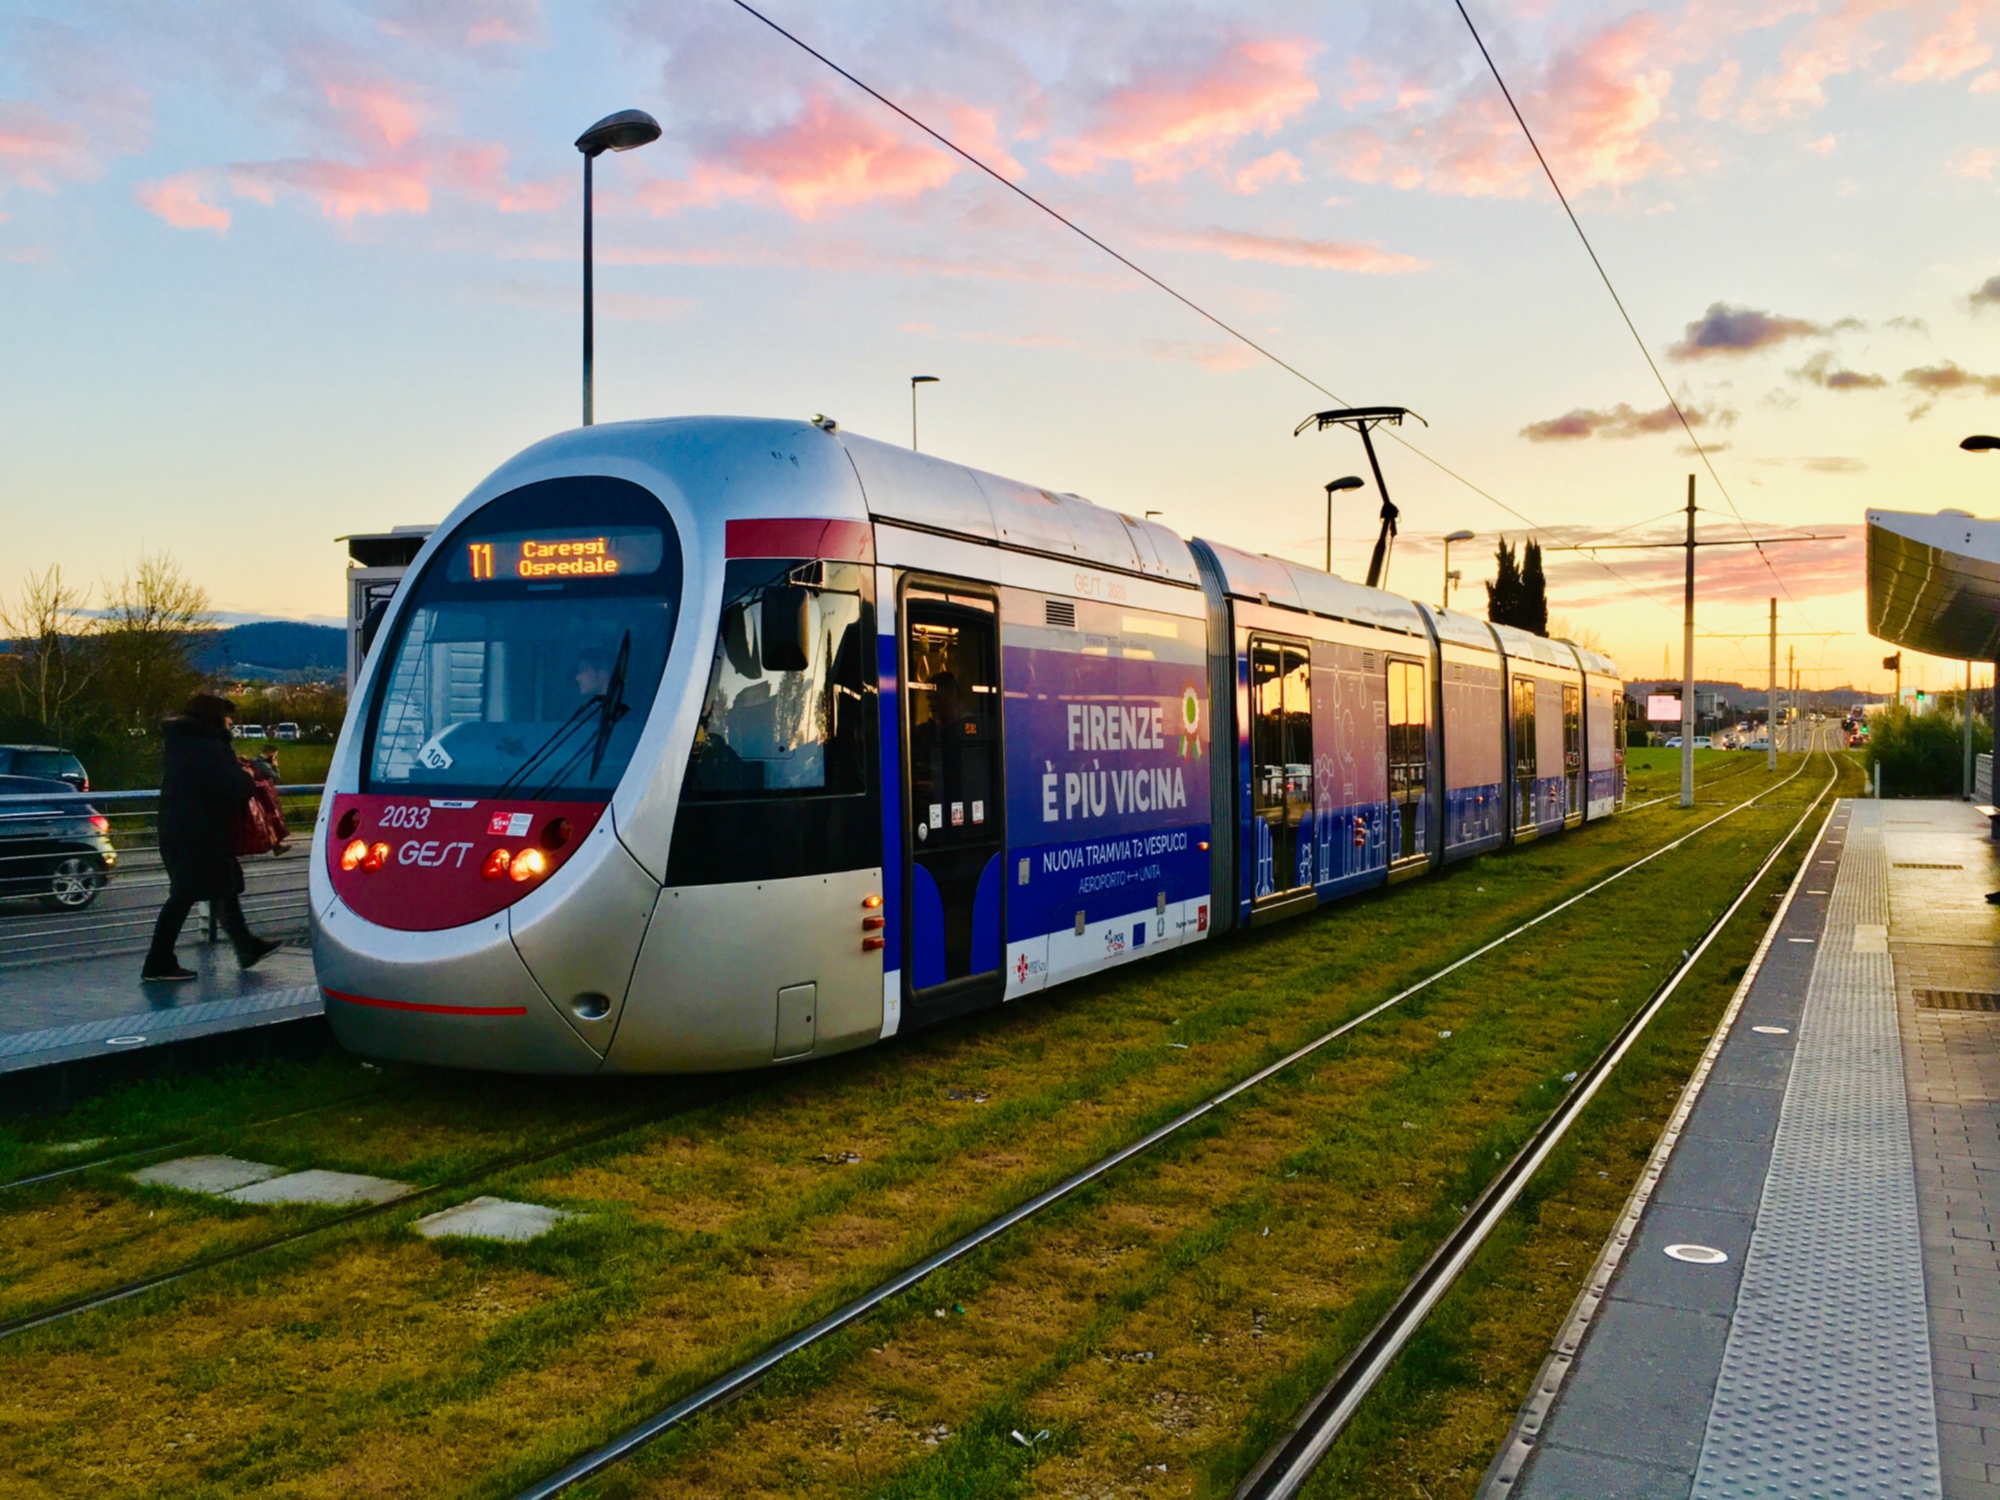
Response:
column 273, row 274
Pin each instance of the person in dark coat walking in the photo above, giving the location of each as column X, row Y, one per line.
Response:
column 202, row 794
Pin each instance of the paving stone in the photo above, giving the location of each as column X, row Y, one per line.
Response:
column 1650, row 1377
column 330, row 1189
column 205, row 1174
column 1570, row 1474
column 493, row 1219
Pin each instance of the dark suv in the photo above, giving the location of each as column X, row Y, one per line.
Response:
column 52, row 846
column 44, row 760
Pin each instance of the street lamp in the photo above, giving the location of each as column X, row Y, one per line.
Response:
column 620, row 132
column 1351, row 482
column 1980, row 443
column 915, row 381
column 1450, row 577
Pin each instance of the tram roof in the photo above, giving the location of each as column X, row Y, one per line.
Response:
column 1934, row 582
column 920, row 490
column 1527, row 646
column 1289, row 585
column 1459, row 628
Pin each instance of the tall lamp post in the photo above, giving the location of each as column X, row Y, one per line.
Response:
column 620, row 132
column 1334, row 487
column 915, row 381
column 1449, row 576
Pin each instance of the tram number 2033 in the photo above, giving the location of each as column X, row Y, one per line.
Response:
column 406, row 815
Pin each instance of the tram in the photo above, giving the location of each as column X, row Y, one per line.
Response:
column 716, row 743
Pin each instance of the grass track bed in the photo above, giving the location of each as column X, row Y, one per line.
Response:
column 462, row 1369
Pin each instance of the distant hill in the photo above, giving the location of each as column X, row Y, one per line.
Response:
column 276, row 650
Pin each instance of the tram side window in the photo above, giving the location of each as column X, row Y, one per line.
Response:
column 1524, row 732
column 785, row 712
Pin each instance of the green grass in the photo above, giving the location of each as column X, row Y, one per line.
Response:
column 348, row 1363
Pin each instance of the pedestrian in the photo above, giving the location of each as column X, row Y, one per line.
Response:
column 269, row 777
column 203, row 790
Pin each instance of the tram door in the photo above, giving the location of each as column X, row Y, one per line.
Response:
column 1281, row 763
column 1573, row 799
column 1409, row 758
column 1524, row 757
column 956, row 820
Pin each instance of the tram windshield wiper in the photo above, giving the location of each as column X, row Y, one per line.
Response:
column 610, row 707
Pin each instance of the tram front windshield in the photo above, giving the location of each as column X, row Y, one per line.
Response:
column 526, row 660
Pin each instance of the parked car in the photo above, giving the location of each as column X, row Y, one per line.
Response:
column 250, row 732
column 56, row 849
column 287, row 731
column 1672, row 744
column 49, row 761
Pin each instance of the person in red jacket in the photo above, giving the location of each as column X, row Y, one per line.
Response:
column 202, row 793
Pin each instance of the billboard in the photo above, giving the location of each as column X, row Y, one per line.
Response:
column 1662, row 709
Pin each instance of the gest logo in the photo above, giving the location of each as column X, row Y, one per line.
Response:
column 430, row 854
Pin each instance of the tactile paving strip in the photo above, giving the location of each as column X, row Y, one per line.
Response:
column 1825, row 1387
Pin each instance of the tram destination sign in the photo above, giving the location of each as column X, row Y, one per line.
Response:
column 557, row 556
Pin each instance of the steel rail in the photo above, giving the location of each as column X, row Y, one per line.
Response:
column 1288, row 1463
column 735, row 1382
column 23, row 1322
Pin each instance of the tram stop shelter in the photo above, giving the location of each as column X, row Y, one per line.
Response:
column 1934, row 583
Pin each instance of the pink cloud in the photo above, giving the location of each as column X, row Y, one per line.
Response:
column 829, row 157
column 36, row 148
column 1168, row 127
column 343, row 190
column 179, row 201
column 834, row 157
column 1279, row 166
column 1320, row 255
column 378, row 108
column 1833, row 44
column 1952, row 49
column 1594, row 114
column 471, row 23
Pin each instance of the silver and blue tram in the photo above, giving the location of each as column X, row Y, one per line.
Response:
column 717, row 743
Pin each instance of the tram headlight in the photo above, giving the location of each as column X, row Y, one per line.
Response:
column 556, row 834
column 353, row 854
column 528, row 864
column 376, row 857
column 496, row 864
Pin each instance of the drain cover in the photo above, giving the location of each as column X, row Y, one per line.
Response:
column 1772, row 1030
column 1956, row 1000
column 1901, row 866
column 1698, row 1255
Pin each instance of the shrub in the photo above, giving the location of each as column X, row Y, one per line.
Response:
column 1922, row 755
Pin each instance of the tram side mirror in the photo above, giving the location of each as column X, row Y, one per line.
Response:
column 785, row 643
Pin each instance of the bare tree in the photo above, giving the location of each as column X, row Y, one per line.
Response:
column 50, row 662
column 1586, row 636
column 156, row 623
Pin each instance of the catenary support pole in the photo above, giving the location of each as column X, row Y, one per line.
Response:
column 1687, row 664
column 1771, row 699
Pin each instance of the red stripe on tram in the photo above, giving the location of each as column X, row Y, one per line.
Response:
column 429, row 1010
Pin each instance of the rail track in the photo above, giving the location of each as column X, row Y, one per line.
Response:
column 747, row 1374
column 1285, row 1467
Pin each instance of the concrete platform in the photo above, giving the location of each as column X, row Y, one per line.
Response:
column 62, row 1012
column 1840, row 1149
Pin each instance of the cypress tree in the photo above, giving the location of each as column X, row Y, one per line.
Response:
column 1534, row 590
column 1503, row 594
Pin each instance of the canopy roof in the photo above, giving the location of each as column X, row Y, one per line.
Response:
column 1934, row 583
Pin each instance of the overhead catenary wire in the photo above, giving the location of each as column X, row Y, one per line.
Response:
column 1140, row 271
column 1619, row 302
